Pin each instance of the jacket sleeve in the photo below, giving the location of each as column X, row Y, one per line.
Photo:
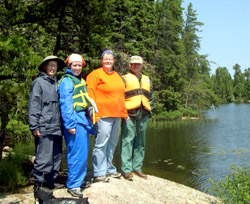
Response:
column 65, row 91
column 35, row 106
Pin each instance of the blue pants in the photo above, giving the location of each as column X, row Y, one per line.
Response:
column 107, row 135
column 77, row 156
column 48, row 159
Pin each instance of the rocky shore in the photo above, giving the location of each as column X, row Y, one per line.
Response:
column 120, row 191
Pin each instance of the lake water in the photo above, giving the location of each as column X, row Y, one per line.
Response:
column 190, row 152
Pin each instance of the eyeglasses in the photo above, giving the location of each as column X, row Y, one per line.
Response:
column 52, row 65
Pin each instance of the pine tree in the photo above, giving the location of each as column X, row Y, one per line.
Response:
column 191, row 42
column 223, row 84
column 169, row 56
column 238, row 83
column 247, row 84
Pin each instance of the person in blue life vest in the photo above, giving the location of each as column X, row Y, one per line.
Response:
column 45, row 124
column 139, row 102
column 77, row 124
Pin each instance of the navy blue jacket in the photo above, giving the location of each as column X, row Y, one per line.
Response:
column 44, row 110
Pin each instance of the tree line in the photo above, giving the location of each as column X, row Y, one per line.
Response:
column 161, row 31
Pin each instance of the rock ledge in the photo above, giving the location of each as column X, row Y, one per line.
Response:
column 120, row 191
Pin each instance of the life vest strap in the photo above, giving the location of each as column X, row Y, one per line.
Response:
column 136, row 92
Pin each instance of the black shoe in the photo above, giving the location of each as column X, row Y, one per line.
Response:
column 58, row 185
column 75, row 192
column 42, row 193
column 86, row 184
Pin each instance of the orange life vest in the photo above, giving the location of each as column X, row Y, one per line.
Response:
column 137, row 93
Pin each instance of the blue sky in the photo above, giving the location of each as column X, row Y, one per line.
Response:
column 225, row 35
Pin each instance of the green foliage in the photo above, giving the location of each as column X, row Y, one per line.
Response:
column 12, row 175
column 223, row 84
column 191, row 42
column 235, row 188
column 247, row 84
column 199, row 95
column 18, row 131
column 171, row 115
column 17, row 65
column 238, row 82
column 189, row 112
column 156, row 30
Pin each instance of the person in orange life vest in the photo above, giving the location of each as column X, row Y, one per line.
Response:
column 139, row 102
column 77, row 124
column 107, row 89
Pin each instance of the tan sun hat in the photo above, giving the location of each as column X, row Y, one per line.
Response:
column 61, row 63
column 136, row 59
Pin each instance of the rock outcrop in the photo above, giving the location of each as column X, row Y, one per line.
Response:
column 120, row 191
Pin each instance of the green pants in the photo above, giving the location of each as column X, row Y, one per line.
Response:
column 133, row 143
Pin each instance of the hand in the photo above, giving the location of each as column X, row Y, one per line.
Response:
column 72, row 131
column 127, row 118
column 36, row 133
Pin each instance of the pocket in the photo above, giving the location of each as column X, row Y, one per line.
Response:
column 53, row 122
column 50, row 107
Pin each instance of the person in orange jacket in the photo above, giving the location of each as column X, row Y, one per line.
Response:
column 107, row 89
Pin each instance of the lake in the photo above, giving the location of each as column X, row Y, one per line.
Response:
column 192, row 151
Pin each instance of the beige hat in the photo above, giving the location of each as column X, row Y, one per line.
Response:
column 136, row 59
column 60, row 62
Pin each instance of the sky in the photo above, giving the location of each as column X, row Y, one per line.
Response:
column 225, row 35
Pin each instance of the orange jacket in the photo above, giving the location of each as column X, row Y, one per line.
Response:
column 108, row 92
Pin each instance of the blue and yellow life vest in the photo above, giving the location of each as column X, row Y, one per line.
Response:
column 137, row 93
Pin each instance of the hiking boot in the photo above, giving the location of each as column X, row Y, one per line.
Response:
column 114, row 175
column 42, row 193
column 128, row 176
column 58, row 185
column 103, row 179
column 86, row 184
column 140, row 174
column 75, row 192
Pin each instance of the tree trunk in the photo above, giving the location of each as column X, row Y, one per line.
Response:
column 2, row 136
column 4, row 123
column 59, row 30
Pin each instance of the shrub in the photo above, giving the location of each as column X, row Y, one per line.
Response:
column 235, row 188
column 18, row 131
column 171, row 115
column 12, row 175
column 189, row 112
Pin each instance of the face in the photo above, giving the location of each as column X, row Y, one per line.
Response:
column 136, row 68
column 107, row 62
column 51, row 68
column 76, row 68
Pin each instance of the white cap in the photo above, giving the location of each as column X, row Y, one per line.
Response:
column 136, row 59
column 74, row 58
